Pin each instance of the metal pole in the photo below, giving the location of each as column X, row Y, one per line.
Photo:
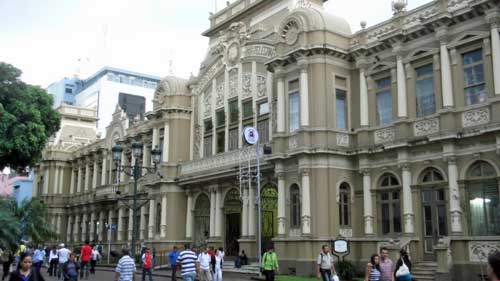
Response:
column 135, row 174
column 259, row 234
column 109, row 241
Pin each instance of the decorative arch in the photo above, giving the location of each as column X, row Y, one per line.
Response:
column 337, row 189
column 417, row 175
column 420, row 53
column 481, row 169
column 467, row 37
column 232, row 201
column 378, row 178
column 295, row 205
column 466, row 167
column 437, row 174
column 380, row 66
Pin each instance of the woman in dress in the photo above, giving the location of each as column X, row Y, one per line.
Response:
column 25, row 271
column 373, row 269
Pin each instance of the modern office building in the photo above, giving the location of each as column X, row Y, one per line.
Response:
column 103, row 90
column 384, row 137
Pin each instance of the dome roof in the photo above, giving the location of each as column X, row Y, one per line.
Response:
column 319, row 19
column 171, row 85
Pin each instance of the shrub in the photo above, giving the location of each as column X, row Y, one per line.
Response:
column 346, row 270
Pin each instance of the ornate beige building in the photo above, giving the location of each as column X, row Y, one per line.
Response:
column 388, row 136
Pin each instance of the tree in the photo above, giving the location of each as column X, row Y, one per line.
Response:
column 27, row 120
column 27, row 219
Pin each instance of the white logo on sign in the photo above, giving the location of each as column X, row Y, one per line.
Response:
column 251, row 135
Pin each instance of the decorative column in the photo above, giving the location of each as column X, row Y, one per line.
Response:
column 407, row 200
column 76, row 228
column 363, row 98
column 69, row 229
column 455, row 209
column 152, row 215
column 102, row 227
column 61, row 180
column 124, row 162
column 495, row 52
column 55, row 189
column 304, row 94
column 446, row 77
column 281, row 205
column 130, row 223
column 244, row 214
column 79, row 180
column 367, row 203
column 120, row 225
column 92, row 226
column 58, row 225
column 401, row 77
column 212, row 212
column 154, row 141
column 94, row 175
column 306, row 203
column 72, row 183
column 251, row 212
column 110, row 222
column 46, row 180
column 163, row 219
column 280, row 106
column 166, row 141
column 84, row 226
column 142, row 222
column 104, row 168
column 146, row 154
column 87, row 178
column 218, row 213
column 189, row 215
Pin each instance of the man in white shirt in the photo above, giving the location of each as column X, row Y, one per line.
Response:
column 203, row 262
column 63, row 254
column 325, row 267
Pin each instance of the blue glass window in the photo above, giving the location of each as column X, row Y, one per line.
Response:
column 384, row 101
column 341, row 108
column 294, row 111
column 426, row 103
column 474, row 90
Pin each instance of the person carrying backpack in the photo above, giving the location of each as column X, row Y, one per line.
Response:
column 71, row 268
column 147, row 265
column 270, row 264
column 325, row 266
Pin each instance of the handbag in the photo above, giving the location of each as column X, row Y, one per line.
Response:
column 402, row 270
column 335, row 277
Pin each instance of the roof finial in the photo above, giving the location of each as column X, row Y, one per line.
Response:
column 399, row 6
column 363, row 24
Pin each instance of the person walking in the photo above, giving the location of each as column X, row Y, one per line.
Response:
column 204, row 265
column 63, row 254
column 38, row 257
column 125, row 268
column 53, row 262
column 70, row 268
column 147, row 265
column 270, row 264
column 217, row 261
column 494, row 266
column 386, row 265
column 25, row 271
column 373, row 272
column 187, row 263
column 172, row 256
column 7, row 259
column 93, row 259
column 325, row 266
column 85, row 256
column 402, row 271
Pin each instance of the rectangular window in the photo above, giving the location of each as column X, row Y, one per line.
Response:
column 233, row 111
column 233, row 139
column 390, row 213
column 208, row 126
column 221, row 139
column 207, row 146
column 221, row 118
column 247, row 109
column 424, row 91
column 294, row 111
column 341, row 109
column 69, row 91
column 484, row 209
column 384, row 101
column 263, row 129
column 263, row 108
column 474, row 85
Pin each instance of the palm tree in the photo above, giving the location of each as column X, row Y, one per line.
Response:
column 10, row 230
column 32, row 216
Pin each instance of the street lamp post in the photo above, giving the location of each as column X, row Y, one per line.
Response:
column 136, row 171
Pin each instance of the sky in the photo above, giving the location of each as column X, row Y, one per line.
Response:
column 52, row 39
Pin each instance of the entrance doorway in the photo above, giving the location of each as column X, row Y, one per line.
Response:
column 433, row 219
column 232, row 212
column 201, row 220
column 269, row 204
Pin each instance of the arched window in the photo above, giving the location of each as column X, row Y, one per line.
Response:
column 344, row 206
column 390, row 206
column 482, row 193
column 158, row 218
column 294, row 206
column 431, row 175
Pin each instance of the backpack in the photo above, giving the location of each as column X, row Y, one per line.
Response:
column 147, row 263
column 402, row 270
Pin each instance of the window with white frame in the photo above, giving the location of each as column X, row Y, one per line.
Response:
column 474, row 84
column 424, row 90
column 341, row 102
column 384, row 101
column 294, row 206
column 293, row 106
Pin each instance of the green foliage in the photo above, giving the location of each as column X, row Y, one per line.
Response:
column 346, row 270
column 27, row 120
column 27, row 219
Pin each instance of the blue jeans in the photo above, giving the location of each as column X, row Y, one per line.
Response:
column 326, row 274
column 189, row 277
column 149, row 272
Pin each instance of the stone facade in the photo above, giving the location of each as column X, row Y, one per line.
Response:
column 388, row 136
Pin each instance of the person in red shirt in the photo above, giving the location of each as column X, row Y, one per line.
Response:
column 147, row 265
column 85, row 256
